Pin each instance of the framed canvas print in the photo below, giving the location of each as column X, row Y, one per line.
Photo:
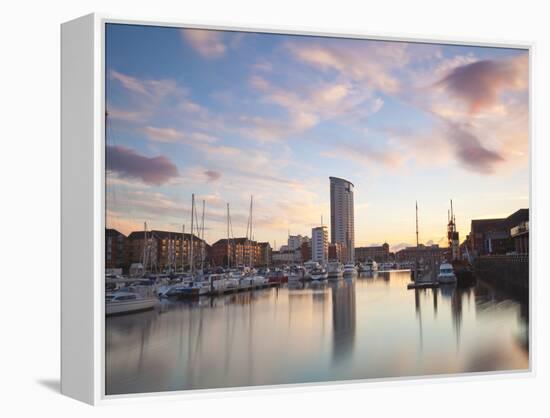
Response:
column 252, row 207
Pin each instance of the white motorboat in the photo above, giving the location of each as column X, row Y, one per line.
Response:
column 335, row 269
column 368, row 266
column 350, row 270
column 309, row 266
column 126, row 301
column 296, row 273
column 232, row 283
column 259, row 280
column 198, row 287
column 216, row 281
column 318, row 274
column 246, row 282
column 446, row 273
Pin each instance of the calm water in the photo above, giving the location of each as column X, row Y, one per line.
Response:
column 368, row 327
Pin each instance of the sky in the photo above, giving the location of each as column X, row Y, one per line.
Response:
column 229, row 115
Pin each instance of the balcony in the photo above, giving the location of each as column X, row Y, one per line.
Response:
column 521, row 229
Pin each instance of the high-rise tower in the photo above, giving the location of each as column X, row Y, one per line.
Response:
column 342, row 223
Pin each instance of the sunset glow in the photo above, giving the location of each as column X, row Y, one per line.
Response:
column 227, row 115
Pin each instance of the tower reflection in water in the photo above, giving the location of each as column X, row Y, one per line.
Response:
column 343, row 318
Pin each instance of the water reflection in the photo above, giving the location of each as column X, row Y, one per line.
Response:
column 371, row 326
column 343, row 318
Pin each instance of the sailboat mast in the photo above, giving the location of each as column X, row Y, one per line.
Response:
column 202, row 242
column 191, row 264
column 250, row 240
column 145, row 245
column 228, row 260
column 416, row 203
column 182, row 247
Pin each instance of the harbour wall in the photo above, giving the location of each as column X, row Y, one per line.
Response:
column 509, row 272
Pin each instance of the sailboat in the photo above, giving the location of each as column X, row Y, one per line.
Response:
column 462, row 268
column 254, row 278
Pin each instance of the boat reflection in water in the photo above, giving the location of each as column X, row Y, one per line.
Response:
column 352, row 328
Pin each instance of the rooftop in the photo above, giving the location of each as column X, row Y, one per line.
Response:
column 341, row 179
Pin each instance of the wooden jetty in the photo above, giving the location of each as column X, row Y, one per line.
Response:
column 422, row 285
column 225, row 291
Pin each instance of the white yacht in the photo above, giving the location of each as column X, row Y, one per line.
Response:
column 350, row 270
column 446, row 273
column 309, row 266
column 216, row 281
column 296, row 273
column 199, row 287
column 318, row 274
column 335, row 269
column 126, row 301
column 258, row 280
column 369, row 266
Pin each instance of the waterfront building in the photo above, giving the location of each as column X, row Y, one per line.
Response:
column 115, row 244
column 494, row 236
column 241, row 251
column 379, row 253
column 520, row 236
column 164, row 250
column 319, row 244
column 342, row 223
column 287, row 257
column 296, row 241
column 265, row 254
column 337, row 252
column 421, row 252
column 305, row 250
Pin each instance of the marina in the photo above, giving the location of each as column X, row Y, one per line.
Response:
column 369, row 326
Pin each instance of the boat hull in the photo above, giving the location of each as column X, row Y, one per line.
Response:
column 464, row 274
column 446, row 279
column 316, row 277
column 125, row 307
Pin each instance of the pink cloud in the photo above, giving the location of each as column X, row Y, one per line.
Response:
column 368, row 62
column 480, row 83
column 128, row 163
column 208, row 43
column 173, row 135
column 470, row 151
column 213, row 175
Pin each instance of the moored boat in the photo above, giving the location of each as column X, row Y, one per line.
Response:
column 446, row 273
column 350, row 270
column 368, row 266
column 335, row 269
column 464, row 273
column 318, row 274
column 309, row 266
column 277, row 276
column 127, row 301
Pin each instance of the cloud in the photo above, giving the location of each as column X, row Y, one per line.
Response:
column 470, row 152
column 368, row 62
column 173, row 135
column 213, row 175
column 480, row 83
column 128, row 163
column 152, row 88
column 398, row 247
column 364, row 152
column 208, row 43
column 306, row 107
column 131, row 116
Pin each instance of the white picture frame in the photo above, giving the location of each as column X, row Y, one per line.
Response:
column 83, row 208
